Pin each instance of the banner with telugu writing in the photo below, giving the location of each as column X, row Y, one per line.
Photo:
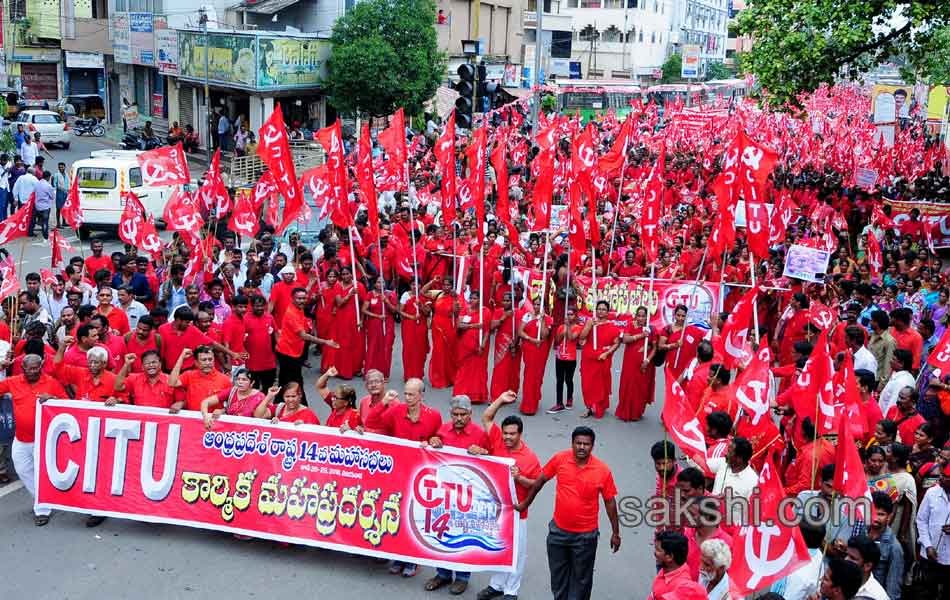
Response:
column 625, row 296
column 363, row 494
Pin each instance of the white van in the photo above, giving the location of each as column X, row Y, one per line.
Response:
column 102, row 176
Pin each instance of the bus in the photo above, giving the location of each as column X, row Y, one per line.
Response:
column 591, row 97
column 731, row 90
column 692, row 94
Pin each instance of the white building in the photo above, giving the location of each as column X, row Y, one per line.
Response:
column 703, row 23
column 614, row 38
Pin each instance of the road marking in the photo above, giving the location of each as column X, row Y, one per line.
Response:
column 10, row 488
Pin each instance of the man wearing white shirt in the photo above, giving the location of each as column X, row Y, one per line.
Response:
column 863, row 358
column 134, row 309
column 901, row 377
column 738, row 476
column 54, row 299
column 802, row 583
column 933, row 533
column 24, row 186
column 864, row 553
column 28, row 153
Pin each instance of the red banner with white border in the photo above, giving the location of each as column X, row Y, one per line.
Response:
column 937, row 214
column 363, row 494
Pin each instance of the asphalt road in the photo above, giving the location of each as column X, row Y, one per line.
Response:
column 127, row 559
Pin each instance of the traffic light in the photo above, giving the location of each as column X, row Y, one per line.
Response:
column 466, row 89
column 490, row 90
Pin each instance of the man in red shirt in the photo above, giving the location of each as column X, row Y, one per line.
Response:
column 149, row 387
column 117, row 318
column 281, row 293
column 294, row 331
column 670, row 550
column 97, row 261
column 94, row 382
column 26, row 390
column 905, row 415
column 905, row 337
column 181, row 334
column 573, row 534
column 506, row 442
column 233, row 332
column 198, row 383
column 412, row 420
column 459, row 433
column 374, row 405
column 259, row 343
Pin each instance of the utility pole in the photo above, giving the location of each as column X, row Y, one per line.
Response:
column 478, row 12
column 203, row 20
column 536, row 73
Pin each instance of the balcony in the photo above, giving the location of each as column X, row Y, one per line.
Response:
column 88, row 35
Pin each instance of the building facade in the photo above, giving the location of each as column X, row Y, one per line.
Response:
column 703, row 23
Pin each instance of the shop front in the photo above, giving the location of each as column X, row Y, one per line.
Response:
column 35, row 72
column 247, row 72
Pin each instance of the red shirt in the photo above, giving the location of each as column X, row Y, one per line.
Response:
column 373, row 416
column 666, row 583
column 401, row 426
column 174, row 341
column 96, row 263
column 911, row 340
column 87, row 388
column 199, row 386
column 280, row 297
column 567, row 349
column 259, row 342
column 578, row 488
column 304, row 414
column 525, row 459
column 117, row 318
column 24, row 396
column 144, row 393
column 233, row 332
column 348, row 416
column 906, row 426
column 693, row 558
column 293, row 323
column 137, row 347
column 471, row 435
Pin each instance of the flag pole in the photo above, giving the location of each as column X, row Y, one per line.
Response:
column 379, row 250
column 613, row 235
column 567, row 289
column 412, row 237
column 593, row 271
column 755, row 300
column 649, row 301
column 544, row 271
column 356, row 283
column 481, row 291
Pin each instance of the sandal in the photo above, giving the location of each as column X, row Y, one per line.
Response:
column 40, row 520
column 435, row 583
column 4, row 479
column 458, row 587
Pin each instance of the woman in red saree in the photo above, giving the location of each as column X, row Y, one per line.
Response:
column 600, row 339
column 442, row 365
column 415, row 332
column 380, row 326
column 349, row 356
column 535, row 333
column 671, row 340
column 326, row 312
column 638, row 376
column 506, row 374
column 471, row 353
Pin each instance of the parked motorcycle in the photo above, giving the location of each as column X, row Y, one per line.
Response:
column 89, row 126
column 133, row 141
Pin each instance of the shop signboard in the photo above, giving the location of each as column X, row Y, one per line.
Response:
column 286, row 62
column 230, row 58
column 690, row 68
column 84, row 60
column 142, row 39
column 121, row 42
column 166, row 51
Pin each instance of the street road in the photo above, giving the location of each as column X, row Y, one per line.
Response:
column 127, row 559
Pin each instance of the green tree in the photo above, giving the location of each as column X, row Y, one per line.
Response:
column 800, row 44
column 385, row 55
column 672, row 68
column 935, row 67
column 717, row 70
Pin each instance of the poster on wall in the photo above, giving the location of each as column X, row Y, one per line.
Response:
column 142, row 39
column 285, row 62
column 166, row 51
column 230, row 58
column 121, row 48
column 690, row 68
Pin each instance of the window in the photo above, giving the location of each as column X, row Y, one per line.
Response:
column 612, row 34
column 572, row 3
column 588, row 34
column 631, row 3
column 94, row 177
column 641, row 36
column 653, row 37
column 590, row 3
column 135, row 177
column 47, row 119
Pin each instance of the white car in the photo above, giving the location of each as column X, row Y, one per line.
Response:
column 51, row 127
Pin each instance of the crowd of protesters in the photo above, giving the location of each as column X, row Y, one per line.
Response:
column 238, row 338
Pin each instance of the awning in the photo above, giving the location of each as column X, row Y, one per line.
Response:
column 443, row 102
column 266, row 7
column 518, row 92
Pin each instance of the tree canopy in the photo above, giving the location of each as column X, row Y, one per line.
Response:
column 672, row 68
column 385, row 55
column 800, row 44
column 717, row 70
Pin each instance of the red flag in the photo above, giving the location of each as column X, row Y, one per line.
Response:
column 213, row 192
column 879, row 219
column 544, row 189
column 753, row 384
column 274, row 150
column 364, row 177
column 476, row 167
column 735, row 332
column 244, row 219
column 18, row 224
column 166, row 165
column 71, row 210
column 650, row 219
column 940, row 356
column 137, row 228
column 767, row 550
column 183, row 215
column 59, row 245
column 11, row 282
column 444, row 151
column 500, row 164
column 576, row 233
column 393, row 141
column 875, row 256
column 782, row 214
column 814, row 389
column 615, row 158
column 332, row 140
column 850, row 480
column 682, row 423
column 846, row 394
column 757, row 228
column 264, row 190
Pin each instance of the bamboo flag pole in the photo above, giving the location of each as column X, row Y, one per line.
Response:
column 649, row 300
column 412, row 236
column 356, row 284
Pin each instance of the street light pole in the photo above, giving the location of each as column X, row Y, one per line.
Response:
column 203, row 20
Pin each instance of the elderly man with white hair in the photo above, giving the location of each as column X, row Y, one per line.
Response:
column 716, row 558
column 94, row 382
column 26, row 390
